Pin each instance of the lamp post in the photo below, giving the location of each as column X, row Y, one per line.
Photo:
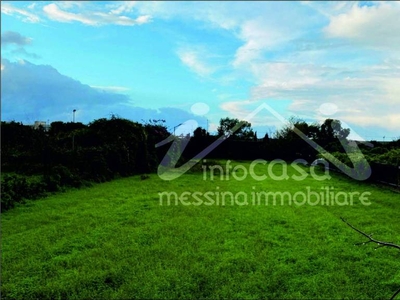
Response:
column 177, row 126
column 73, row 134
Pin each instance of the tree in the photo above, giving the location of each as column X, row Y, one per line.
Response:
column 235, row 128
column 156, row 130
column 200, row 132
column 332, row 129
column 328, row 132
column 288, row 133
column 266, row 138
column 255, row 138
column 290, row 145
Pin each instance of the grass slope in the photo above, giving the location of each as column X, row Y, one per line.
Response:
column 115, row 240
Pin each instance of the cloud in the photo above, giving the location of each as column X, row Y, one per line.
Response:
column 93, row 17
column 258, row 37
column 55, row 13
column 114, row 89
column 33, row 92
column 359, row 92
column 278, row 78
column 194, row 60
column 376, row 26
column 329, row 9
column 258, row 25
column 20, row 13
column 124, row 7
column 214, row 14
column 329, row 63
column 14, row 38
column 308, row 53
column 391, row 120
column 22, row 51
column 75, row 11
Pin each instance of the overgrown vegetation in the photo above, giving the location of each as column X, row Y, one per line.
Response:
column 73, row 154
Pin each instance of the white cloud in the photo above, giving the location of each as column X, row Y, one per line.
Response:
column 22, row 14
column 365, row 96
column 279, row 77
column 70, row 4
column 119, row 13
column 194, row 60
column 32, row 6
column 258, row 37
column 377, row 26
column 95, row 18
column 124, row 7
column 214, row 14
column 55, row 13
column 347, row 74
column 114, row 89
column 390, row 122
column 360, row 101
column 236, row 108
column 295, row 56
column 329, row 9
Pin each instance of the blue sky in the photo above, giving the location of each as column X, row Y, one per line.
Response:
column 155, row 60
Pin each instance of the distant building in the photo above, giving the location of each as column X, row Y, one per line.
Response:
column 37, row 124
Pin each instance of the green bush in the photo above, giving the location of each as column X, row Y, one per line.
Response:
column 391, row 157
column 17, row 188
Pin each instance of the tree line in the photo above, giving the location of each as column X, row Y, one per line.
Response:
column 38, row 161
column 35, row 161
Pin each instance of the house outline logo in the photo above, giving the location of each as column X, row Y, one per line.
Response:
column 167, row 169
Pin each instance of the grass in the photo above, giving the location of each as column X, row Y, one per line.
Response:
column 115, row 240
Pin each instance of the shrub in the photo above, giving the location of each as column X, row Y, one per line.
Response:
column 17, row 188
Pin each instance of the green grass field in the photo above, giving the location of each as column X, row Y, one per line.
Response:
column 115, row 240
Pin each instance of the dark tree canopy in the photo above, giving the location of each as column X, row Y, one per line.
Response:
column 200, row 132
column 329, row 131
column 287, row 132
column 235, row 128
column 332, row 129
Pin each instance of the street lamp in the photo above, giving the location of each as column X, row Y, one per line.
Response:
column 73, row 134
column 177, row 126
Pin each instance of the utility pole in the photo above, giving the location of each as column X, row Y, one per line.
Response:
column 73, row 133
column 177, row 126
